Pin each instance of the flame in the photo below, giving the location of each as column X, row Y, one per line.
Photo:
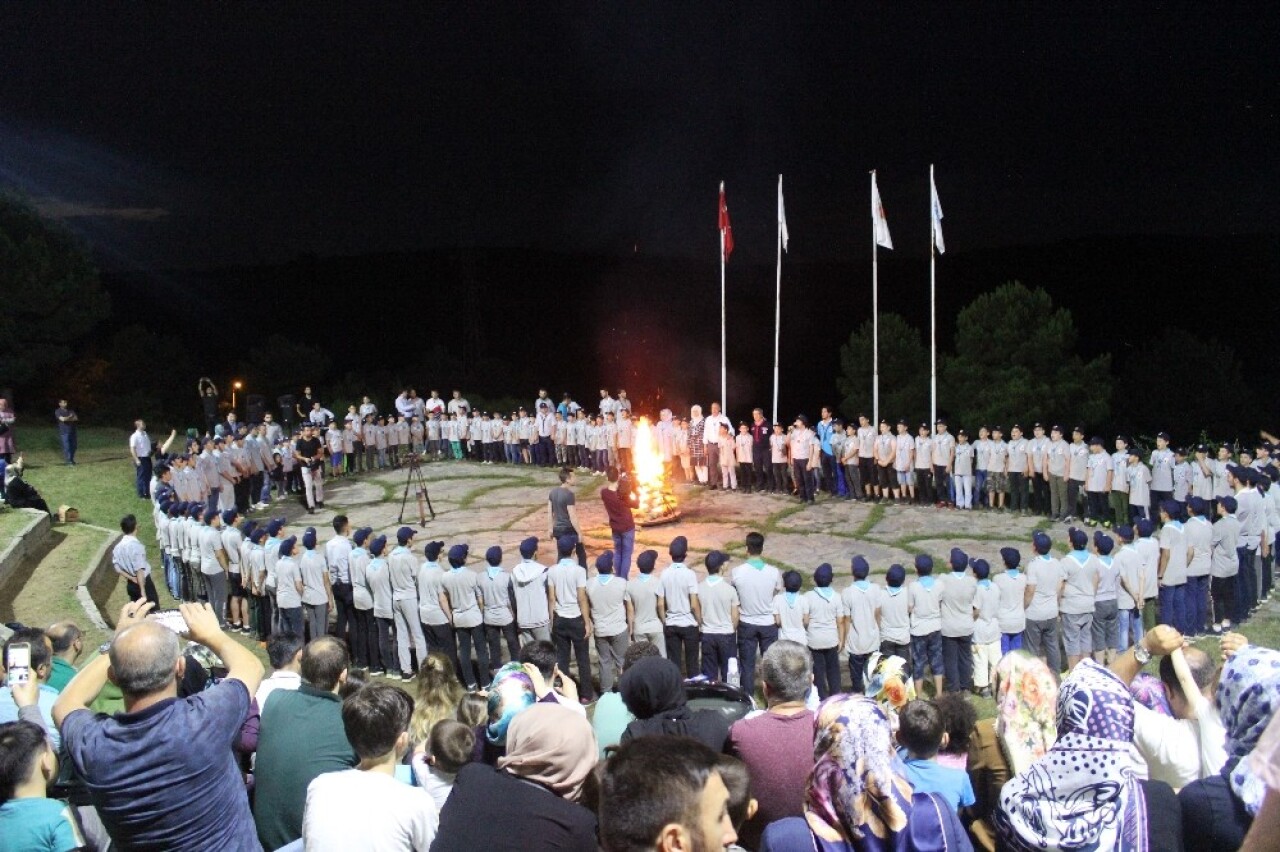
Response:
column 655, row 501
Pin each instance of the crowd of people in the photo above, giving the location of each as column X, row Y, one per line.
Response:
column 421, row 697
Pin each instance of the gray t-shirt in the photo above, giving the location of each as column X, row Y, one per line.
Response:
column 495, row 588
column 605, row 596
column 1081, row 574
column 964, row 460
column 561, row 499
column 1079, row 456
column 926, row 606
column 430, row 585
column 956, row 602
column 678, row 583
column 643, row 590
column 860, row 605
column 756, row 587
column 824, row 616
column 1108, row 578
column 986, row 627
column 460, row 585
column 288, row 575
column 1226, row 536
column 566, row 577
column 1173, row 539
column 1045, row 574
column 717, row 598
column 313, row 569
column 1012, row 614
column 895, row 623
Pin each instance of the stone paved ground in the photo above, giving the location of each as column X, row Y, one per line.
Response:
column 502, row 505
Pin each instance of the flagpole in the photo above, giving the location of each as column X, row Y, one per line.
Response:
column 777, row 314
column 933, row 309
column 875, row 317
column 724, row 382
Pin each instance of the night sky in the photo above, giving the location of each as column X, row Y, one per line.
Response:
column 193, row 135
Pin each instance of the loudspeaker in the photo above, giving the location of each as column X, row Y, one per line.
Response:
column 255, row 405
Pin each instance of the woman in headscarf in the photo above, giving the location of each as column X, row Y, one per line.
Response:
column 697, row 443
column 1086, row 792
column 889, row 684
column 530, row 801
column 510, row 694
column 1022, row 731
column 1217, row 811
column 654, row 692
column 858, row 799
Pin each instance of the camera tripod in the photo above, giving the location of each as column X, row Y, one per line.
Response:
column 415, row 479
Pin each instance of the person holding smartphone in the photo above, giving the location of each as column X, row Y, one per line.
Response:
column 28, row 659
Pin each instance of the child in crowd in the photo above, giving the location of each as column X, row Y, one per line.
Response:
column 742, row 447
column 741, row 806
column 861, row 600
column 788, row 611
column 963, row 467
column 849, row 461
column 473, row 709
column 728, row 465
column 959, row 716
column 333, row 437
column 778, row 460
column 450, row 746
column 29, row 820
column 922, row 734
column 1139, row 476
column 1106, row 601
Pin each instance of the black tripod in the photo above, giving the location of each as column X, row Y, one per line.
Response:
column 414, row 477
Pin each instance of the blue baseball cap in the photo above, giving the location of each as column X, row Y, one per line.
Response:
column 924, row 564
column 565, row 544
column 309, row 538
column 528, row 547
column 493, row 555
column 959, row 559
column 458, row 555
column 679, row 547
column 981, row 568
column 861, row 568
column 404, row 535
column 1010, row 556
column 362, row 534
column 286, row 546
column 604, row 562
column 896, row 575
column 378, row 545
column 1041, row 542
column 822, row 575
column 432, row 550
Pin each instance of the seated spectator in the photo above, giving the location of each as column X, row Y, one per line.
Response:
column 654, row 692
column 1086, row 792
column 529, row 802
column 41, row 668
column 1217, row 811
column 550, row 684
column 1265, row 763
column 284, row 652
column 162, row 774
column 1148, row 691
column 18, row 493
column 473, row 709
column 388, row 814
column 777, row 745
column 958, row 719
column 510, row 694
column 68, row 643
column 611, row 715
column 449, row 748
column 302, row 737
column 1024, row 728
column 741, row 806
column 858, row 797
column 438, row 694
column 29, row 820
column 921, row 734
column 889, row 685
column 676, row 798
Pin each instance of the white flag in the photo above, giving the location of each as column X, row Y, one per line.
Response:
column 878, row 221
column 937, row 214
column 782, row 216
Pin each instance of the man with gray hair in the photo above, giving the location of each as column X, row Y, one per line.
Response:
column 777, row 745
column 162, row 774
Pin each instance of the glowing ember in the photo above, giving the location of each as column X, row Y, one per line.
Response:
column 655, row 501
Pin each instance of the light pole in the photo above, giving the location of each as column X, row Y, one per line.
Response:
column 235, row 386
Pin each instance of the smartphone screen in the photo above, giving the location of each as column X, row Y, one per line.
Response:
column 18, row 662
column 171, row 619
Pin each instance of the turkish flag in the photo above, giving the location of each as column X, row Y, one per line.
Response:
column 726, row 230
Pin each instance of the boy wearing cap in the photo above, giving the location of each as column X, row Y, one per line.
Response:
column 1181, row 477
column 1080, row 575
column 532, row 595
column 825, row 619
column 1172, row 571
column 720, row 613
column 571, row 613
column 1224, row 564
column 1077, row 470
column 466, row 607
column 645, row 603
column 997, row 469
column 1149, row 551
column 1199, row 533
column 255, row 575
column 957, row 606
column 499, row 613
column 289, row 588
column 1037, row 446
column 944, row 446
column 777, row 460
column 382, row 653
column 982, row 458
column 364, row 635
column 799, row 447
column 1130, row 588
column 925, row 608
column 233, row 545
column 1202, row 471
column 214, row 564
column 612, row 617
column 1106, row 601
column 923, row 473
column 895, row 615
column 849, row 462
column 986, row 628
column 1139, row 477
column 1019, row 464
column 683, row 612
column 1057, row 462
column 788, row 611
column 1161, row 462
column 1045, row 580
column 1098, row 475
column 402, row 569
column 337, row 555
column 317, row 591
column 861, row 600
column 886, row 477
column 1118, row 498
column 962, row 455
column 903, row 461
column 434, row 612
column 1011, row 612
column 1251, row 512
column 757, row 582
column 867, row 457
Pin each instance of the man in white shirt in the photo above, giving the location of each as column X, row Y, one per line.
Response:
column 284, row 652
column 140, row 451
column 129, row 558
column 711, row 431
column 367, row 807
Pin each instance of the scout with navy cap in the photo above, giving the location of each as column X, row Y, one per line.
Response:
column 1225, row 565
column 719, row 604
column 926, row 624
column 1139, row 477
column 437, row 623
column 499, row 618
column 644, row 594
column 402, row 570
column 1011, row 613
column 1045, row 578
column 1161, row 462
column 895, row 618
column 607, row 601
column 364, row 634
column 986, row 627
column 1198, row 530
column 214, row 564
column 233, row 545
column 1149, row 549
column 1172, row 570
column 683, row 612
column 862, row 601
column 1098, row 475
column 572, row 623
column 1056, row 465
column 757, row 583
column 826, row 614
column 317, row 586
column 289, row 588
column 466, row 604
column 956, row 605
column 1129, row 587
column 532, row 595
column 382, row 653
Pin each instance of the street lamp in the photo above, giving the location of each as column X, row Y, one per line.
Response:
column 235, row 386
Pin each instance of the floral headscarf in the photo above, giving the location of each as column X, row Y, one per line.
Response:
column 510, row 693
column 857, row 793
column 1085, row 793
column 1026, row 704
column 1248, row 694
column 889, row 685
column 1148, row 690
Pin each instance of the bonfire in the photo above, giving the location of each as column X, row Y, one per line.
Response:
column 655, row 499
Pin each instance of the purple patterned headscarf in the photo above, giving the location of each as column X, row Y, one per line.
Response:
column 1085, row 793
column 1148, row 690
column 1248, row 693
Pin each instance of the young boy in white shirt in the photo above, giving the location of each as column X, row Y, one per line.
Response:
column 788, row 609
column 986, row 629
column 1098, row 473
column 861, row 600
column 963, row 466
column 924, row 602
column 742, row 451
column 779, row 481
column 1139, row 477
column 997, row 469
column 728, row 460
